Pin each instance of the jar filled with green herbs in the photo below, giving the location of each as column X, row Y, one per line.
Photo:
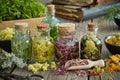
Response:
column 52, row 21
column 67, row 47
column 21, row 43
column 90, row 44
column 42, row 43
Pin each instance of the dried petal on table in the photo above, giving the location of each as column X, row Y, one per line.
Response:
column 61, row 70
column 81, row 72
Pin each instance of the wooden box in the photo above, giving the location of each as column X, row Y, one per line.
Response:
column 32, row 22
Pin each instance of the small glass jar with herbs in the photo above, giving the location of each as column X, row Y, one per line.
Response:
column 90, row 44
column 67, row 47
column 52, row 21
column 42, row 43
column 21, row 42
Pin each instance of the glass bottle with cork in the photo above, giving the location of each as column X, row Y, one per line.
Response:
column 90, row 44
column 67, row 47
column 52, row 21
column 42, row 43
column 21, row 42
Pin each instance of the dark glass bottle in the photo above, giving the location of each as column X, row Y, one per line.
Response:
column 67, row 47
column 21, row 42
column 43, row 46
column 52, row 21
column 90, row 44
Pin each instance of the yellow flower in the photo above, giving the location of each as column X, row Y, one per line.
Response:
column 7, row 34
column 45, row 66
column 90, row 46
column 114, row 58
column 31, row 67
column 37, row 66
column 53, row 65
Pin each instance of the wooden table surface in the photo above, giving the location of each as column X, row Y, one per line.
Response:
column 105, row 28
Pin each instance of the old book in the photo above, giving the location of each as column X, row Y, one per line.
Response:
column 77, row 13
column 74, row 2
column 70, row 12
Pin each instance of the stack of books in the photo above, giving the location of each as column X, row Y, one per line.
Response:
column 74, row 9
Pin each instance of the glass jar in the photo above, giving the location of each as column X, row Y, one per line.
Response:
column 21, row 42
column 43, row 47
column 67, row 47
column 52, row 21
column 90, row 44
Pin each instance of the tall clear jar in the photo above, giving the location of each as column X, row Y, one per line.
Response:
column 21, row 42
column 43, row 46
column 90, row 44
column 52, row 21
column 67, row 47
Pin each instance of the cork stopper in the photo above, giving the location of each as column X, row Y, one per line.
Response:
column 21, row 25
column 92, row 26
column 51, row 9
column 66, row 29
column 43, row 27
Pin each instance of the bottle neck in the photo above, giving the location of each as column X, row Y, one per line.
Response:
column 24, row 31
column 42, row 33
column 92, row 33
column 50, row 13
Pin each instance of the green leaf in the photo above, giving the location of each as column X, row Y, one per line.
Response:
column 112, row 12
column 20, row 9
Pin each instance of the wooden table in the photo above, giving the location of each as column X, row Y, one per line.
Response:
column 105, row 28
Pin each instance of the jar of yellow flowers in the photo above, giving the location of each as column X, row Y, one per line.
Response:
column 90, row 44
column 43, row 47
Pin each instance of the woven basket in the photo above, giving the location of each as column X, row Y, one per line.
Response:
column 32, row 22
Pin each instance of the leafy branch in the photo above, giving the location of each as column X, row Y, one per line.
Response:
column 112, row 12
column 20, row 9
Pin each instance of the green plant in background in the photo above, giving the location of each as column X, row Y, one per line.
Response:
column 112, row 12
column 20, row 9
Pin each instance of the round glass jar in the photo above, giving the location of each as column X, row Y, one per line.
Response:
column 42, row 43
column 21, row 42
column 91, row 45
column 67, row 47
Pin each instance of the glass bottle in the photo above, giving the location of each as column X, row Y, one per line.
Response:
column 42, row 43
column 67, row 47
column 52, row 21
column 90, row 44
column 21, row 42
